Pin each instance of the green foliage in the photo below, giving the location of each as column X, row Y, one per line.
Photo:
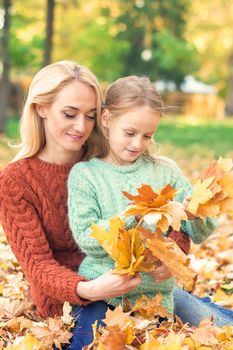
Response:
column 12, row 128
column 173, row 52
column 157, row 26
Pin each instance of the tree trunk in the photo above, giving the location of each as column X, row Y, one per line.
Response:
column 5, row 84
column 229, row 103
column 49, row 32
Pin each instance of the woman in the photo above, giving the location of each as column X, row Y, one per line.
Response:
column 58, row 129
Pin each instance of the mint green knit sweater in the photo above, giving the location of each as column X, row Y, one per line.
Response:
column 94, row 196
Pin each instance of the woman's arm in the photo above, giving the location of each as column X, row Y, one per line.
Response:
column 28, row 242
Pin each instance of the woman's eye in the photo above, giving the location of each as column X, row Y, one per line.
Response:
column 91, row 117
column 147, row 137
column 129, row 133
column 68, row 115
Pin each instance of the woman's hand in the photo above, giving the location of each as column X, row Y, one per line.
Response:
column 161, row 273
column 108, row 285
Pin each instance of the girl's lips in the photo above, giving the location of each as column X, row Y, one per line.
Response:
column 133, row 152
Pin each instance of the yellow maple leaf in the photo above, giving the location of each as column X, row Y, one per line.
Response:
column 124, row 247
column 117, row 317
column 225, row 164
column 150, row 308
column 201, row 194
column 226, row 183
column 151, row 344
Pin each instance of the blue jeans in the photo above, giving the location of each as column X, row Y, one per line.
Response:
column 193, row 309
column 85, row 317
column 190, row 308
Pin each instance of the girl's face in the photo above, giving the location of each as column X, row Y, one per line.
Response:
column 68, row 121
column 130, row 134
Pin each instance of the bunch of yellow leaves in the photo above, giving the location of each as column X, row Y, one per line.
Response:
column 125, row 247
column 213, row 192
column 157, row 208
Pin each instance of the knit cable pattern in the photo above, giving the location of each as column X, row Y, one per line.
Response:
column 33, row 213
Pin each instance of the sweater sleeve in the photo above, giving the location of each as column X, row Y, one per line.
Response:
column 84, row 210
column 199, row 229
column 28, row 242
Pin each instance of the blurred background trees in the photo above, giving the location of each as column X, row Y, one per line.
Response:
column 165, row 39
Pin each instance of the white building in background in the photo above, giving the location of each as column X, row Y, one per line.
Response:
column 193, row 86
column 189, row 86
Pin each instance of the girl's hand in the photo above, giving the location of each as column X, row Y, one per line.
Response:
column 108, row 285
column 161, row 273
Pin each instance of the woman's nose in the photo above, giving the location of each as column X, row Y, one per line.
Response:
column 80, row 124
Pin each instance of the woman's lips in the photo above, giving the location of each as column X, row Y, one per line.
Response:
column 75, row 137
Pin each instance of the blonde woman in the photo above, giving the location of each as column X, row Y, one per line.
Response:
column 58, row 129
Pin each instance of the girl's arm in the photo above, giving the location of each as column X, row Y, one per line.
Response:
column 199, row 230
column 84, row 210
column 28, row 242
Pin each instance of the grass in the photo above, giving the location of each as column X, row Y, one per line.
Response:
column 184, row 133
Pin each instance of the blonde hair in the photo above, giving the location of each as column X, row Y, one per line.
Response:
column 125, row 95
column 43, row 90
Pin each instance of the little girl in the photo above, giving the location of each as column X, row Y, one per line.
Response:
column 128, row 122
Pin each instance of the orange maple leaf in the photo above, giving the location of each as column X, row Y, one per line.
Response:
column 171, row 255
column 157, row 208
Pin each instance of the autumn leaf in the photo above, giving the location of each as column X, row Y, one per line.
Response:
column 124, row 247
column 117, row 317
column 116, row 338
column 150, row 308
column 213, row 192
column 66, row 316
column 157, row 208
column 172, row 256
column 201, row 194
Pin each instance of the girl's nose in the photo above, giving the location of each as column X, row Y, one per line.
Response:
column 137, row 143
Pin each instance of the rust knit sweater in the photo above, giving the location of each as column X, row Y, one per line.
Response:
column 33, row 212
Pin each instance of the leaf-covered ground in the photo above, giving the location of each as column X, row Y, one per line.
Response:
column 21, row 328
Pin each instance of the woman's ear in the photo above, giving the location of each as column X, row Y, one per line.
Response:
column 105, row 118
column 41, row 110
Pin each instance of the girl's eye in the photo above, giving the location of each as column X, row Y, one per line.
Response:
column 147, row 137
column 69, row 115
column 129, row 133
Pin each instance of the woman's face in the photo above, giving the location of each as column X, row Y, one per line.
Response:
column 69, row 120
